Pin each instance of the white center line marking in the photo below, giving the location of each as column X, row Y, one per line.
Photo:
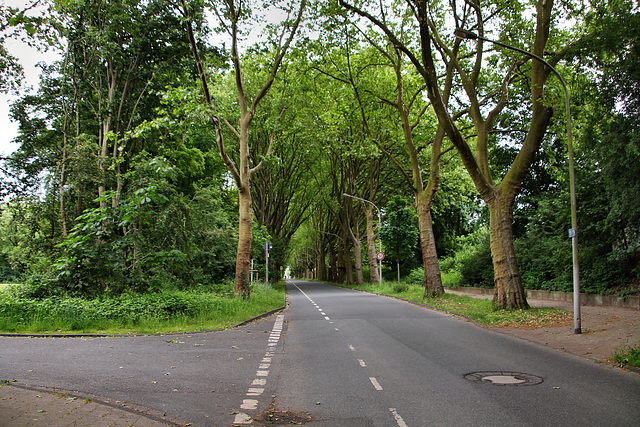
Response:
column 255, row 391
column 249, row 404
column 375, row 383
column 398, row 418
column 242, row 419
column 361, row 362
column 352, row 348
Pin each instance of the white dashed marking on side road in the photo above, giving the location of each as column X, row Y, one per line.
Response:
column 398, row 418
column 375, row 383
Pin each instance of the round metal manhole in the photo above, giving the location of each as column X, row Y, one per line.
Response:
column 503, row 378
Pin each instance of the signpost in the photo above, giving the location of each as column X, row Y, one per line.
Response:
column 267, row 247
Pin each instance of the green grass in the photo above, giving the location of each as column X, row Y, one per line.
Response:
column 167, row 312
column 628, row 355
column 479, row 310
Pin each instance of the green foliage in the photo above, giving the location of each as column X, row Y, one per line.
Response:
column 628, row 355
column 472, row 262
column 399, row 233
column 416, row 277
column 102, row 251
column 169, row 311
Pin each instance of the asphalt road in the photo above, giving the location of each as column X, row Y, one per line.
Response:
column 355, row 359
column 338, row 358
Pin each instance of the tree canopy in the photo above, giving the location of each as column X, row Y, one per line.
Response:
column 167, row 145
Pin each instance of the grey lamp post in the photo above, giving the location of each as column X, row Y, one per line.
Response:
column 379, row 225
column 573, row 232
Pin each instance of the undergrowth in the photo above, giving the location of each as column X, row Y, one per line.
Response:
column 165, row 312
column 628, row 355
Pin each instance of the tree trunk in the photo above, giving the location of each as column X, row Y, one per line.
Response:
column 357, row 255
column 509, row 292
column 374, row 277
column 340, row 256
column 245, row 237
column 348, row 266
column 322, row 267
column 333, row 273
column 432, row 278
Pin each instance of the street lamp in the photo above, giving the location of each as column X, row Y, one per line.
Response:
column 573, row 232
column 379, row 225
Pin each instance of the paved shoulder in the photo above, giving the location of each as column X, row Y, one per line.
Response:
column 26, row 407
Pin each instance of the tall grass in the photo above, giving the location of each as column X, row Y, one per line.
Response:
column 175, row 311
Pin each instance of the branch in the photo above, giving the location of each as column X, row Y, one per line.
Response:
column 207, row 97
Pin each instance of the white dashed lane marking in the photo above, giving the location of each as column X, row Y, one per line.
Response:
column 374, row 380
column 375, row 383
column 256, row 389
column 398, row 418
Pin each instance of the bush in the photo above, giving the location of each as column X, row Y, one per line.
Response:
column 471, row 265
column 416, row 277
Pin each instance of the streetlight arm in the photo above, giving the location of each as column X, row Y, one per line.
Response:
column 358, row 198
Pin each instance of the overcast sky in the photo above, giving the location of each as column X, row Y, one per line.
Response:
column 28, row 57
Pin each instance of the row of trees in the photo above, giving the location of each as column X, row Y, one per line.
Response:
column 154, row 134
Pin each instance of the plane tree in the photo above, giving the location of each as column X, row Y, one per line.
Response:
column 231, row 15
column 483, row 93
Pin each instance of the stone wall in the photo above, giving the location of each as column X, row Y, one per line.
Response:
column 585, row 299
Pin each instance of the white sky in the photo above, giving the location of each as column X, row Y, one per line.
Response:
column 28, row 57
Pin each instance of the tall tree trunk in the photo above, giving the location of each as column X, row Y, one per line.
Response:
column 348, row 265
column 509, row 291
column 333, row 265
column 340, row 260
column 374, row 277
column 357, row 258
column 63, row 181
column 322, row 267
column 432, row 278
column 245, row 238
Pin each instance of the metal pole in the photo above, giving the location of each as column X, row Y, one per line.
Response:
column 379, row 226
column 573, row 232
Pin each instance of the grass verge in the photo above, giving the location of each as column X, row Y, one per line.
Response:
column 166, row 312
column 479, row 310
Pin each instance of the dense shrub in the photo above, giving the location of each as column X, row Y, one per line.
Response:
column 471, row 263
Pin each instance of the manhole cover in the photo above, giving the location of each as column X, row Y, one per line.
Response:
column 503, row 378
